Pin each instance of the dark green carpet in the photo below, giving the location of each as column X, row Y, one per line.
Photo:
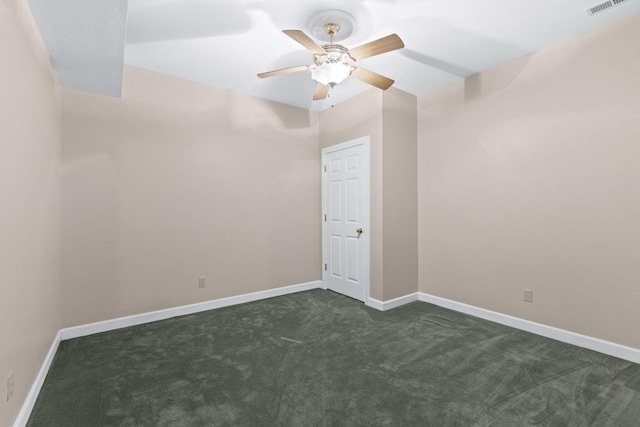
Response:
column 320, row 359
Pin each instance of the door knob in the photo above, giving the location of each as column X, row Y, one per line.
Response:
column 359, row 231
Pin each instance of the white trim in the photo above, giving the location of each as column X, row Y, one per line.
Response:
column 392, row 303
column 374, row 303
column 366, row 142
column 138, row 319
column 348, row 144
column 596, row 344
column 32, row 396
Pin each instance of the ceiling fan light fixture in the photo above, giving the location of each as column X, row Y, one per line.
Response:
column 331, row 69
column 331, row 73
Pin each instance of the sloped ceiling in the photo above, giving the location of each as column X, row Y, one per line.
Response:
column 225, row 43
column 86, row 41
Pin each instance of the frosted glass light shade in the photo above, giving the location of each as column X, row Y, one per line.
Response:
column 331, row 73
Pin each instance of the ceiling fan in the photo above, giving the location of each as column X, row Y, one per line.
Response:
column 332, row 62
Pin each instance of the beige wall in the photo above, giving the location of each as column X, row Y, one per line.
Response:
column 390, row 120
column 351, row 119
column 29, row 204
column 400, row 208
column 178, row 180
column 529, row 177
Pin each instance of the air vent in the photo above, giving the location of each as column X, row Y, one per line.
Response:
column 601, row 7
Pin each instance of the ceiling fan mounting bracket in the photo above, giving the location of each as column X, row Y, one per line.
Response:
column 331, row 28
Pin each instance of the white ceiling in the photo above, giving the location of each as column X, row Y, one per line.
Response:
column 225, row 43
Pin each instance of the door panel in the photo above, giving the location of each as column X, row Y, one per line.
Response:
column 352, row 260
column 352, row 200
column 335, row 200
column 336, row 258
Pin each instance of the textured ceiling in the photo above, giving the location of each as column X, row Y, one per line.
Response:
column 225, row 43
column 86, row 41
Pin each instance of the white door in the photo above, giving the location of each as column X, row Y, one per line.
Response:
column 346, row 218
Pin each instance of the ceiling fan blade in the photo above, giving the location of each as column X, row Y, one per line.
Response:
column 305, row 41
column 321, row 92
column 283, row 71
column 376, row 47
column 374, row 79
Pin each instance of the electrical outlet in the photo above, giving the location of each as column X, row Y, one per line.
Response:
column 528, row 295
column 9, row 386
column 202, row 281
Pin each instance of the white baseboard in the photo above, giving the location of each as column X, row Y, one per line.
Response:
column 32, row 396
column 596, row 344
column 392, row 303
column 152, row 316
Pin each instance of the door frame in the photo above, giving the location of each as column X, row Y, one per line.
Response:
column 366, row 171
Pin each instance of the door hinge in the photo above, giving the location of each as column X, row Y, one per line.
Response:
column 325, row 168
column 325, row 267
column 325, row 217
